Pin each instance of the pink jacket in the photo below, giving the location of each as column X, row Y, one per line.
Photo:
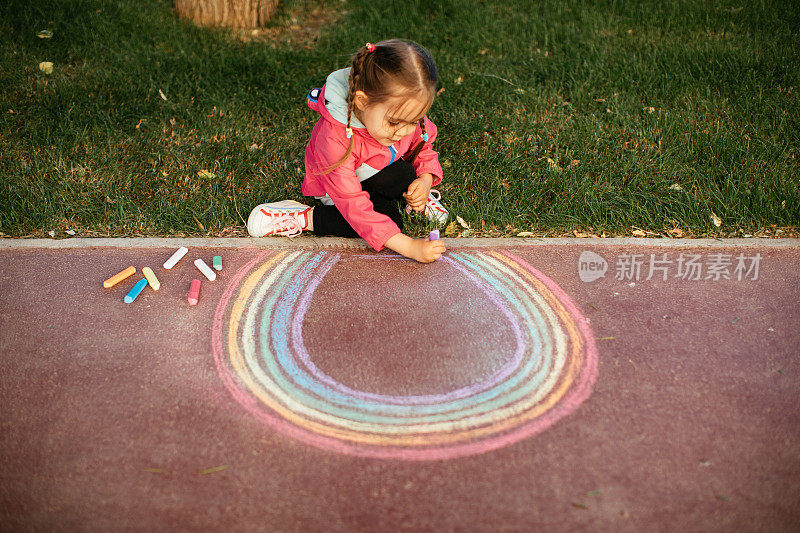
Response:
column 329, row 143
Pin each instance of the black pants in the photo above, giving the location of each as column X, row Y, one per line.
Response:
column 385, row 190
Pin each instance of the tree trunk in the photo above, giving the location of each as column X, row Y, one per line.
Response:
column 244, row 14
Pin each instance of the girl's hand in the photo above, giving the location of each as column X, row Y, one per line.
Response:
column 427, row 251
column 421, row 250
column 417, row 193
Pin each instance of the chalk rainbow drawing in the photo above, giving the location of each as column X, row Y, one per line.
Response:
column 261, row 357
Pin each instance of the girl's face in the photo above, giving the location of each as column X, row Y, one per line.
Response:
column 390, row 121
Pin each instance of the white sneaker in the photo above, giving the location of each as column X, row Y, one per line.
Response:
column 288, row 218
column 434, row 209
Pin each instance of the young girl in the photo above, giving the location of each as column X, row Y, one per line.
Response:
column 371, row 113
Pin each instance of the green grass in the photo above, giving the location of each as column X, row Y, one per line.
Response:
column 698, row 95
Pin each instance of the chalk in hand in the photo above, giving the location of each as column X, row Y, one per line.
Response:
column 217, row 262
column 116, row 278
column 435, row 235
column 194, row 292
column 205, row 269
column 136, row 291
column 151, row 278
column 179, row 253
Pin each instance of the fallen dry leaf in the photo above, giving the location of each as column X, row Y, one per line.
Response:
column 638, row 233
column 552, row 165
column 462, row 222
column 450, row 230
column 212, row 470
column 574, row 163
column 46, row 67
column 163, row 96
column 716, row 220
column 526, row 234
column 676, row 187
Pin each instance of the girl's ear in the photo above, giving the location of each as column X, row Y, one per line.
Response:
column 361, row 100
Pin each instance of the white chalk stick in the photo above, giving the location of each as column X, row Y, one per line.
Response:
column 179, row 253
column 205, row 269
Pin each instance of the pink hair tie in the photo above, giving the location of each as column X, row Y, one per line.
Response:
column 370, row 47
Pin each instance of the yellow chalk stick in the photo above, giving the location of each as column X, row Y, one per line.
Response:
column 116, row 278
column 151, row 278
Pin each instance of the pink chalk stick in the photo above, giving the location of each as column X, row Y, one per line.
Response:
column 194, row 292
column 435, row 235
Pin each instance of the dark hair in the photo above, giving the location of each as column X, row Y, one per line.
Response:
column 380, row 69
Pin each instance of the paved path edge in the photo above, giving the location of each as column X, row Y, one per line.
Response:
column 330, row 242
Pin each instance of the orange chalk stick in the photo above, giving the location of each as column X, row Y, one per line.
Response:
column 116, row 278
column 194, row 292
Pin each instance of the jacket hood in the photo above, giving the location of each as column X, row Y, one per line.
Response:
column 336, row 88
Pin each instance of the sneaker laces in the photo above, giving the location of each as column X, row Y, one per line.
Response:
column 287, row 225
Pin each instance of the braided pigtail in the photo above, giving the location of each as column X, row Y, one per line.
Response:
column 354, row 85
column 412, row 154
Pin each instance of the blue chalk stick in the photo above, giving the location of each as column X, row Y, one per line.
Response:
column 136, row 291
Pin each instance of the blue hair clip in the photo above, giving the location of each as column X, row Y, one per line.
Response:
column 425, row 137
column 348, row 132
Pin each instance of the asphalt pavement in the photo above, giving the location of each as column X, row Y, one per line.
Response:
column 518, row 385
